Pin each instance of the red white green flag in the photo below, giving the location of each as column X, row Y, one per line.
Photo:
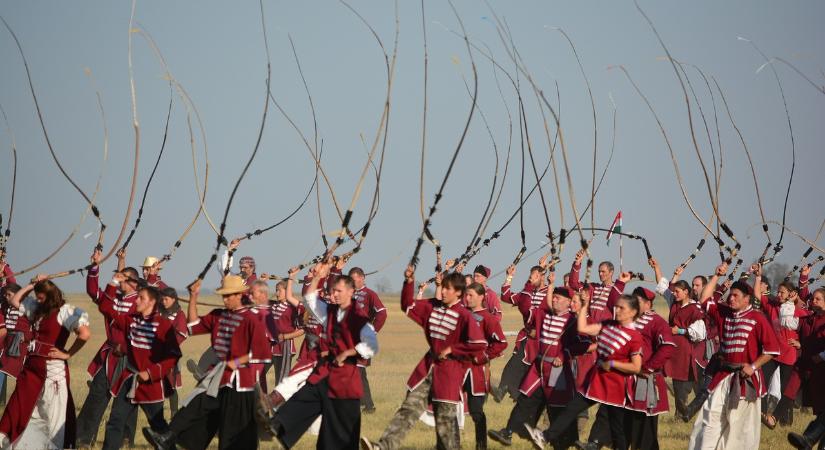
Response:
column 616, row 227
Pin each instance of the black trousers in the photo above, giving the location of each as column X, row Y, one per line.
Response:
column 514, row 371
column 340, row 419
column 366, row 399
column 643, row 430
column 600, row 431
column 475, row 404
column 3, row 378
column 173, row 403
column 527, row 410
column 230, row 415
column 123, row 410
column 566, row 419
column 91, row 413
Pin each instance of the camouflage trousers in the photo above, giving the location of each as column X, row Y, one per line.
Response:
column 446, row 420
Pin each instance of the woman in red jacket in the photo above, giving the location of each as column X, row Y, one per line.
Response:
column 619, row 358
column 40, row 413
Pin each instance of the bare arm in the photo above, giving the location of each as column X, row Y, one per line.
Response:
column 17, row 299
column 290, row 297
column 707, row 291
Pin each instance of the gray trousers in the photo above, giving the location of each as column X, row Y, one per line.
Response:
column 446, row 420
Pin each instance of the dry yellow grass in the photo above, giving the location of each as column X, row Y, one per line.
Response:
column 402, row 345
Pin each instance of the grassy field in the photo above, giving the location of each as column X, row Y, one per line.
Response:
column 402, row 345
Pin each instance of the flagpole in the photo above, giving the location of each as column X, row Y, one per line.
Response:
column 621, row 255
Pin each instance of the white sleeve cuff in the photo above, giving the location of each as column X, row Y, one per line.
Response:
column 316, row 306
column 71, row 318
column 663, row 285
column 226, row 261
column 368, row 346
column 697, row 331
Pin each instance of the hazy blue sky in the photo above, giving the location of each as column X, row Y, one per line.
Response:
column 215, row 50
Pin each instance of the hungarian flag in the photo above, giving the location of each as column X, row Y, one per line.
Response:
column 616, row 227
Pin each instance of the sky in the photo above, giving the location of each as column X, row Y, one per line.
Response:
column 216, row 53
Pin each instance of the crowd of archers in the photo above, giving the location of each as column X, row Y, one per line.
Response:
column 735, row 354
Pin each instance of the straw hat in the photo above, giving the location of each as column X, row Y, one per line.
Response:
column 149, row 261
column 232, row 284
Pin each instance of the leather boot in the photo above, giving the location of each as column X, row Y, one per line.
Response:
column 813, row 433
column 159, row 441
column 503, row 436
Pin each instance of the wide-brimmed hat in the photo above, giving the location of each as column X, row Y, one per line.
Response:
column 232, row 284
column 150, row 261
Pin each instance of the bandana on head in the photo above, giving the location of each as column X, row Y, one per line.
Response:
column 644, row 293
column 247, row 260
column 482, row 270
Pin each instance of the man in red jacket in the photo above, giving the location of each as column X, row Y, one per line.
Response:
column 478, row 383
column 334, row 388
column 224, row 401
column 368, row 304
column 731, row 412
column 122, row 292
column 151, row 352
column 455, row 339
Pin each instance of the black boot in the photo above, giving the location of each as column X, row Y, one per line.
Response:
column 813, row 433
column 503, row 436
column 159, row 441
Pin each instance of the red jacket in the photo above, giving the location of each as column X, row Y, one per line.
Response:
column 310, row 349
column 744, row 336
column 530, row 298
column 772, row 309
column 657, row 348
column 812, row 338
column 155, row 281
column 7, row 276
column 15, row 322
column 602, row 298
column 345, row 380
column 115, row 344
column 178, row 318
column 687, row 355
column 556, row 338
column 151, row 345
column 282, row 319
column 444, row 327
column 496, row 343
column 616, row 343
column 235, row 333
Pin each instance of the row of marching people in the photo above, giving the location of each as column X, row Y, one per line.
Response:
column 581, row 344
column 616, row 351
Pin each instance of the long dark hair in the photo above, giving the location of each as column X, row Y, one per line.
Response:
column 632, row 303
column 53, row 301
